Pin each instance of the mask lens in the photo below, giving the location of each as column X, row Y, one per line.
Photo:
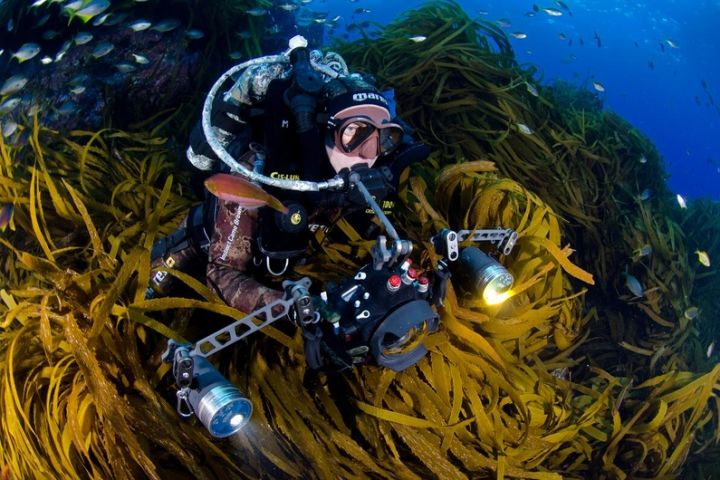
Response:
column 353, row 134
column 390, row 138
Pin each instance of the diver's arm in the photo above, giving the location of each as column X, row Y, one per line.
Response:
column 230, row 256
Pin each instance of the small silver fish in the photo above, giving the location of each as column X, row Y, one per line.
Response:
column 9, row 105
column 46, row 60
column 63, row 50
column 418, row 38
column 634, row 285
column 166, row 25
column 101, row 19
column 703, row 257
column 288, row 7
column 66, row 108
column 531, row 89
column 139, row 25
column 598, row 86
column 524, row 128
column 710, row 349
column 49, row 34
column 643, row 159
column 93, row 9
column 13, row 85
column 643, row 251
column 194, row 34
column 26, row 52
column 681, row 201
column 552, row 12
column 9, row 128
column 81, row 38
column 141, row 59
column 102, row 49
column 43, row 20
column 256, row 12
column 519, row 35
column 115, row 18
column 645, row 194
column 73, row 6
column 79, row 79
column 77, row 90
column 125, row 67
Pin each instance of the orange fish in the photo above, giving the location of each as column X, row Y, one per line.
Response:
column 6, row 215
column 234, row 188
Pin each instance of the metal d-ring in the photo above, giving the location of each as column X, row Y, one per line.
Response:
column 270, row 270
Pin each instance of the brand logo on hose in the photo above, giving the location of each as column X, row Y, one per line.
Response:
column 284, row 176
column 361, row 97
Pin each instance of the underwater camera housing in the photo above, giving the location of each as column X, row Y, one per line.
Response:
column 380, row 315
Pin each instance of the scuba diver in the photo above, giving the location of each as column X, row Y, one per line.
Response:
column 295, row 149
column 291, row 123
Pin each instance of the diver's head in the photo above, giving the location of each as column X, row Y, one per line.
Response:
column 359, row 128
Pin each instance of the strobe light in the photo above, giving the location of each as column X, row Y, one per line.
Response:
column 478, row 274
column 217, row 403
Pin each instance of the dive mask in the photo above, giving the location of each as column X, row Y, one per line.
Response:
column 349, row 134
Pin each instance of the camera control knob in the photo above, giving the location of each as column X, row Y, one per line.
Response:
column 393, row 283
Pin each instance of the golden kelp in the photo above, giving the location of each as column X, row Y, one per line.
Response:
column 76, row 399
column 565, row 380
column 603, row 178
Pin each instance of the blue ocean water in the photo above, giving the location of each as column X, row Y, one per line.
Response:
column 657, row 60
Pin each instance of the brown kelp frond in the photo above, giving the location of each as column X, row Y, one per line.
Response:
column 73, row 385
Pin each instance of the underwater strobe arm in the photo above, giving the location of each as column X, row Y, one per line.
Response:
column 202, row 390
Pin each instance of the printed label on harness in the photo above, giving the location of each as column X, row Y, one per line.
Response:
column 233, row 233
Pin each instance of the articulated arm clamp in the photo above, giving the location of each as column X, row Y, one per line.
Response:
column 247, row 325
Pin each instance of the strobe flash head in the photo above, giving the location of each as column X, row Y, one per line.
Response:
column 218, row 404
column 479, row 274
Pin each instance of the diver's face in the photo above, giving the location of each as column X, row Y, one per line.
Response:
column 358, row 144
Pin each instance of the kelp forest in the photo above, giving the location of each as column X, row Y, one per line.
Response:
column 598, row 365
